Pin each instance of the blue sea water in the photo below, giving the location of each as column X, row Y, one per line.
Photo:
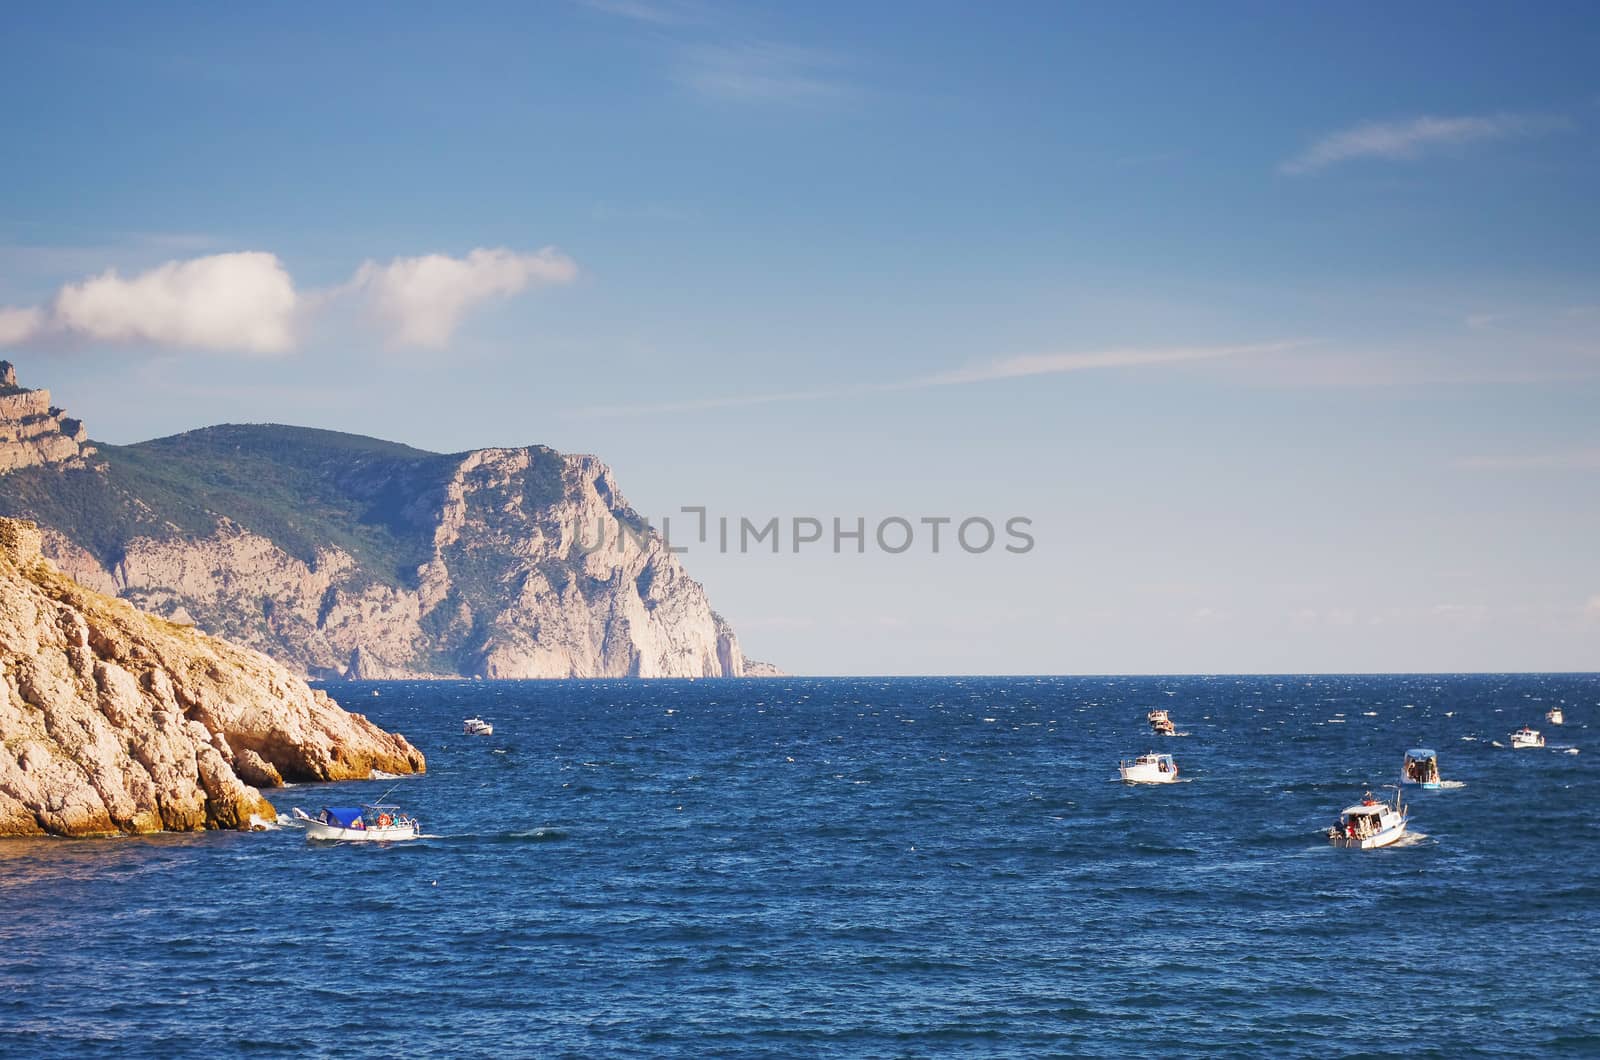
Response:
column 861, row 868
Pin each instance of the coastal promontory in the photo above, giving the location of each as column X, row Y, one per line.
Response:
column 345, row 557
column 115, row 721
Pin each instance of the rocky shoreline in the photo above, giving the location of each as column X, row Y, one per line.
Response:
column 113, row 721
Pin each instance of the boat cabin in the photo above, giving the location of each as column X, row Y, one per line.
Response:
column 1421, row 766
column 343, row 816
column 1363, row 819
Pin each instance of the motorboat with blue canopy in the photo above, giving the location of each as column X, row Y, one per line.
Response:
column 1421, row 767
column 373, row 823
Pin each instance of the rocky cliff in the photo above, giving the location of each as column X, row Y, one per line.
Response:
column 116, row 721
column 33, row 432
column 343, row 556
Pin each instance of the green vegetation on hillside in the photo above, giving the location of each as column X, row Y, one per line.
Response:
column 300, row 487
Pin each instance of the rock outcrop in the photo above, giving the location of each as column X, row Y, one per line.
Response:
column 33, row 433
column 349, row 557
column 113, row 721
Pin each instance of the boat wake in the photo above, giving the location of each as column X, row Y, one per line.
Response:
column 1452, row 784
column 1410, row 839
column 536, row 835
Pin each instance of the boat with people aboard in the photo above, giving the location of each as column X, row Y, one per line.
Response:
column 1161, row 723
column 1527, row 737
column 1421, row 766
column 374, row 823
column 1369, row 824
column 476, row 727
column 1555, row 717
column 1149, row 769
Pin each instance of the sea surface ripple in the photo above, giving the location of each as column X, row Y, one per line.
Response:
column 859, row 868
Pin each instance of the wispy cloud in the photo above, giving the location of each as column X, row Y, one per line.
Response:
column 419, row 301
column 760, row 72
column 1412, row 138
column 1570, row 460
column 979, row 372
column 654, row 14
column 1056, row 363
column 246, row 302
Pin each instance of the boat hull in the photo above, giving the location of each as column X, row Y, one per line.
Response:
column 1426, row 785
column 331, row 833
column 1147, row 775
column 1387, row 837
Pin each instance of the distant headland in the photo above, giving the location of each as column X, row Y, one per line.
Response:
column 349, row 557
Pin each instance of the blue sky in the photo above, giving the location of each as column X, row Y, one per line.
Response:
column 1280, row 324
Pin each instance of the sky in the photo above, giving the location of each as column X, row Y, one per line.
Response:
column 1277, row 326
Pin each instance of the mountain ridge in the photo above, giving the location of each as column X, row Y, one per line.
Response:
column 343, row 555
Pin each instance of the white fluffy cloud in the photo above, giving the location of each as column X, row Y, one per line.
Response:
column 18, row 325
column 420, row 300
column 246, row 302
column 243, row 301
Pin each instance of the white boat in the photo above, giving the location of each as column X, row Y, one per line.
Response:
column 1526, row 737
column 1368, row 824
column 1555, row 717
column 477, row 727
column 1421, row 766
column 377, row 823
column 1149, row 769
column 1160, row 723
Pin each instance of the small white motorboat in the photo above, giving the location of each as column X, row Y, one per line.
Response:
column 477, row 727
column 1160, row 723
column 1555, row 717
column 1369, row 824
column 1421, row 766
column 377, row 823
column 1149, row 769
column 1526, row 737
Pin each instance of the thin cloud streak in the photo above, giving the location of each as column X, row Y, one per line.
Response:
column 991, row 371
column 637, row 11
column 1409, row 140
column 1056, row 363
column 760, row 72
column 1576, row 460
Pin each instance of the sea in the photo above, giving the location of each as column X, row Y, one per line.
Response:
column 908, row 867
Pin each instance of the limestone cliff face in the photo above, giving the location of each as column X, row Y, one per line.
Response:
column 535, row 568
column 116, row 721
column 343, row 556
column 34, row 433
